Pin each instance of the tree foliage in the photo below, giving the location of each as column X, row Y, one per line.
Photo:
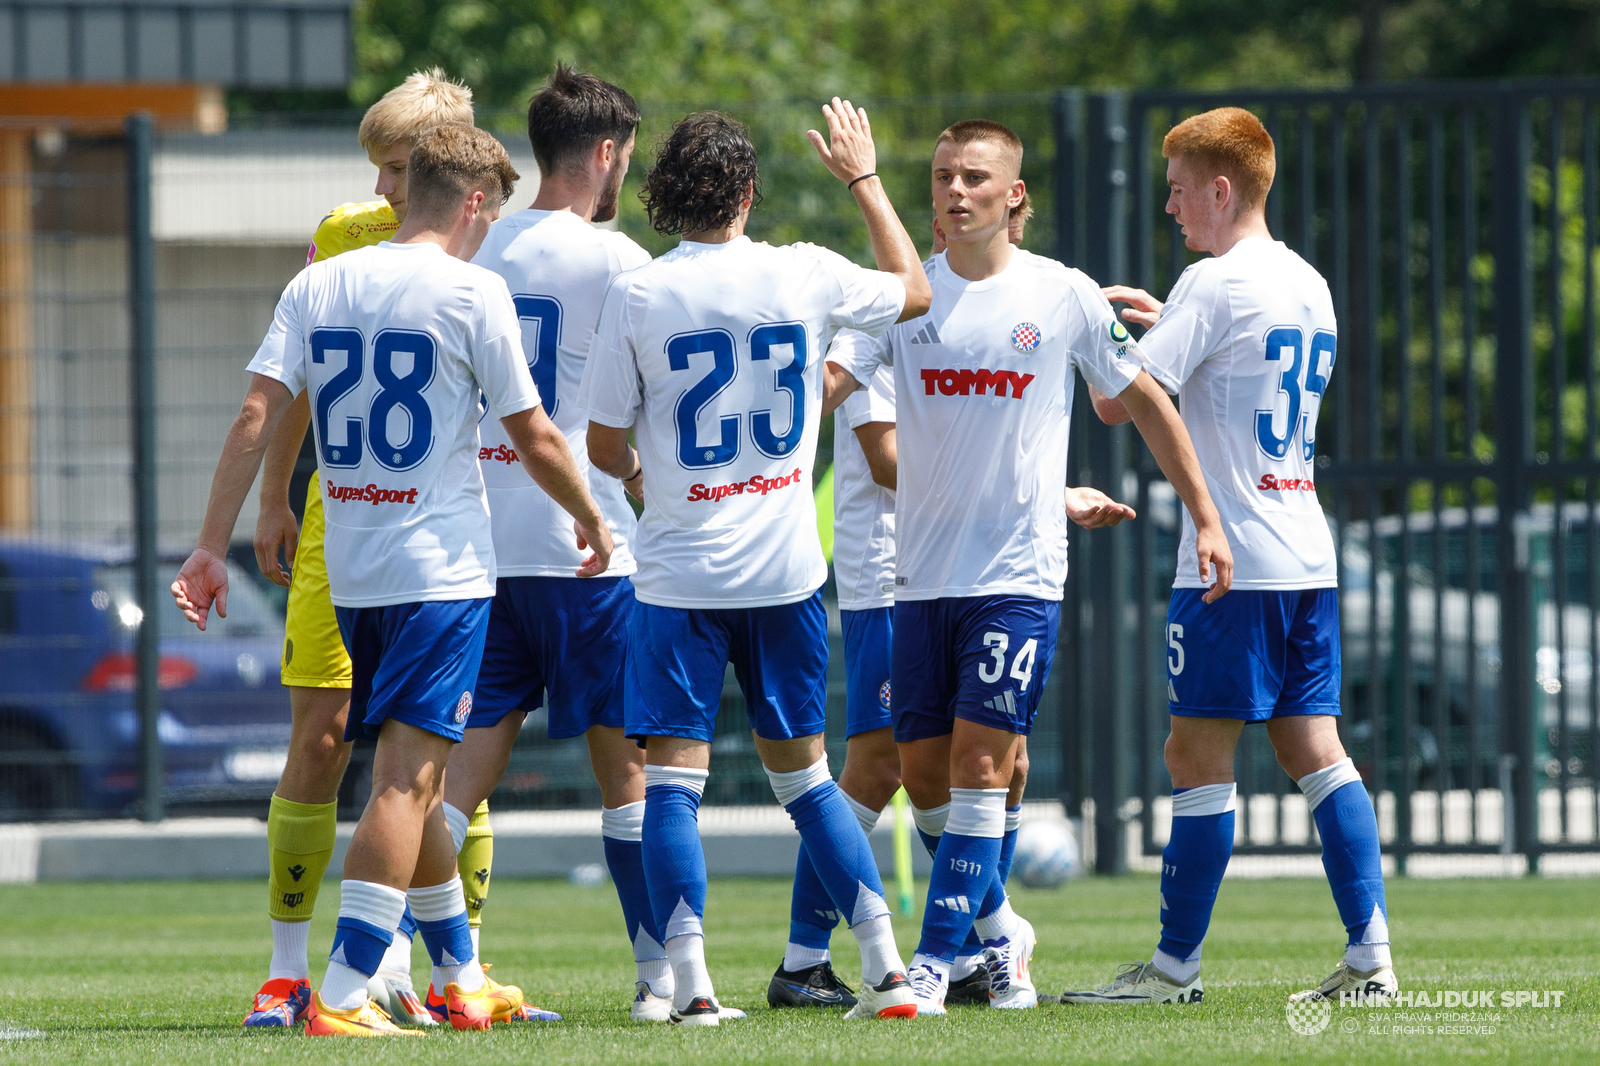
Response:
column 707, row 51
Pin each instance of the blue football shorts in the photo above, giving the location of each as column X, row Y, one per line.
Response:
column 416, row 663
column 868, row 644
column 981, row 658
column 566, row 636
column 677, row 658
column 1253, row 655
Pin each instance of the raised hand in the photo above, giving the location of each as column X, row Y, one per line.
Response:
column 848, row 150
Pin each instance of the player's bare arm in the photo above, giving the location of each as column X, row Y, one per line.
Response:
column 1093, row 509
column 610, row 451
column 850, row 154
column 547, row 459
column 1169, row 442
column 275, row 523
column 203, row 578
column 877, row 442
column 837, row 385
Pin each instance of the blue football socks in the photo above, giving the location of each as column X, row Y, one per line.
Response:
column 1192, row 865
column 1351, row 857
column 964, row 865
column 441, row 914
column 368, row 915
column 622, row 835
column 674, row 864
column 839, row 853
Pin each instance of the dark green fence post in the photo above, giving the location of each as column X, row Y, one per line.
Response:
column 142, row 397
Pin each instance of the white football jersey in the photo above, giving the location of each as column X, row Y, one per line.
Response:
column 394, row 344
column 713, row 355
column 983, row 398
column 863, row 510
column 1247, row 342
column 558, row 268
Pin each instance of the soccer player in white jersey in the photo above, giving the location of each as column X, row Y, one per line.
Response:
column 395, row 344
column 1247, row 341
column 712, row 354
column 983, row 394
column 549, row 631
column 863, row 566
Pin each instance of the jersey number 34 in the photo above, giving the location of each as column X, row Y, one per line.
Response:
column 1302, row 376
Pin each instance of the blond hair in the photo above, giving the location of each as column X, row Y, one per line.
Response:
column 449, row 161
column 426, row 99
column 1227, row 141
column 980, row 129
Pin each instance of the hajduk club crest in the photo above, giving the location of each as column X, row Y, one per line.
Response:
column 1025, row 337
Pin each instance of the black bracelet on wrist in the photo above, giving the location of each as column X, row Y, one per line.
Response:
column 636, row 470
column 862, row 178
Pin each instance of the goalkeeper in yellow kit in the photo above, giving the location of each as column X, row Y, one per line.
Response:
column 302, row 820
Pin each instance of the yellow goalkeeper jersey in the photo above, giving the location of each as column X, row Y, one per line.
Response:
column 351, row 226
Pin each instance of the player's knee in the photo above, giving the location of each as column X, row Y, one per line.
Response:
column 324, row 755
column 977, row 769
column 620, row 783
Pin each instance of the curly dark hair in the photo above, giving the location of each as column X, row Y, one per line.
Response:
column 701, row 172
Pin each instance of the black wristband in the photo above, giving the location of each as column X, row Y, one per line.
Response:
column 863, row 177
column 636, row 470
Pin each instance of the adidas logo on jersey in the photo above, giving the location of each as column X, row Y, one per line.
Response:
column 954, row 903
column 964, row 382
column 926, row 335
column 1005, row 704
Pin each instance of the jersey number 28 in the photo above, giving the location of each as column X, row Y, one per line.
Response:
column 1292, row 339
column 398, row 395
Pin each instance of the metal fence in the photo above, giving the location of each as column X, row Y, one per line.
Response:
column 1457, row 459
column 1457, row 454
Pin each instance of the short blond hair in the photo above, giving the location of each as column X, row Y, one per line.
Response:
column 980, row 129
column 1227, row 141
column 426, row 99
column 452, row 160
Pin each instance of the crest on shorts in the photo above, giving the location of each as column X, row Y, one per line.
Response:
column 463, row 707
column 1025, row 337
column 883, row 695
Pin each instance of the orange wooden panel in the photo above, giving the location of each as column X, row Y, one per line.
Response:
column 78, row 106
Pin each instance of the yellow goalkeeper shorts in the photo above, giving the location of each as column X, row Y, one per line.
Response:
column 313, row 651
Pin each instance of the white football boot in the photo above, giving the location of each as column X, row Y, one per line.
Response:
column 1010, row 984
column 893, row 997
column 1140, row 982
column 649, row 1007
column 393, row 992
column 1378, row 982
column 704, row 1011
column 929, row 986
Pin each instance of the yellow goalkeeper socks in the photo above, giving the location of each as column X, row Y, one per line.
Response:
column 300, row 838
column 474, row 861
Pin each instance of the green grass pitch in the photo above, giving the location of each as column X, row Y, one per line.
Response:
column 162, row 972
